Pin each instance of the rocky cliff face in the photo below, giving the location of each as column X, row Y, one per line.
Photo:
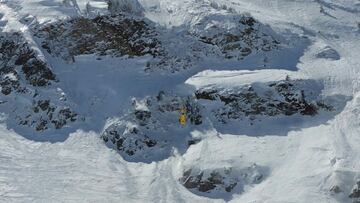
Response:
column 25, row 82
column 285, row 97
column 116, row 35
column 124, row 35
column 19, row 60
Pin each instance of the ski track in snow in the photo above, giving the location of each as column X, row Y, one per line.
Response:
column 303, row 165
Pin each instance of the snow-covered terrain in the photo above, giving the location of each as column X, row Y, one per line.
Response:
column 92, row 91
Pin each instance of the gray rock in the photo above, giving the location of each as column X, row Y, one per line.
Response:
column 355, row 193
column 328, row 53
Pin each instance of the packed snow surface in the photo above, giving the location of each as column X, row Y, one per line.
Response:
column 311, row 163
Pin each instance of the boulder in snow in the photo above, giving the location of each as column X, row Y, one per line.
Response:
column 328, row 53
column 125, row 6
column 221, row 183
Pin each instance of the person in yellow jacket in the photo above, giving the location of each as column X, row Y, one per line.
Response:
column 182, row 119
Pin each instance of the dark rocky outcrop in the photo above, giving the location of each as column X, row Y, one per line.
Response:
column 17, row 59
column 116, row 35
column 335, row 189
column 122, row 34
column 27, row 79
column 280, row 98
column 207, row 184
column 128, row 6
column 149, row 124
column 355, row 193
column 220, row 183
column 45, row 115
column 9, row 81
column 249, row 36
column 37, row 73
column 328, row 53
column 131, row 141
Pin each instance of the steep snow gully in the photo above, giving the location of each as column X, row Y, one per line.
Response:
column 91, row 93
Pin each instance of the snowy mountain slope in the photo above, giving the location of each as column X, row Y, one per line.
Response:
column 297, row 158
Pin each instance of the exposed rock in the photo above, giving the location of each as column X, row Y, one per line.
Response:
column 37, row 73
column 19, row 59
column 142, row 116
column 9, row 80
column 245, row 36
column 335, row 189
column 355, row 193
column 26, row 78
column 149, row 124
column 41, row 125
column 134, row 36
column 219, row 183
column 45, row 115
column 141, row 131
column 208, row 182
column 328, row 53
column 283, row 97
column 130, row 141
column 116, row 35
column 127, row 6
column 193, row 141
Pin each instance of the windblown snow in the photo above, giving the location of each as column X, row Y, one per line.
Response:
column 92, row 90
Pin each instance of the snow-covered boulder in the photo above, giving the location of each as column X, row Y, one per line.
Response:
column 126, row 6
column 236, row 35
column 355, row 193
column 221, row 182
column 328, row 53
column 151, row 129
